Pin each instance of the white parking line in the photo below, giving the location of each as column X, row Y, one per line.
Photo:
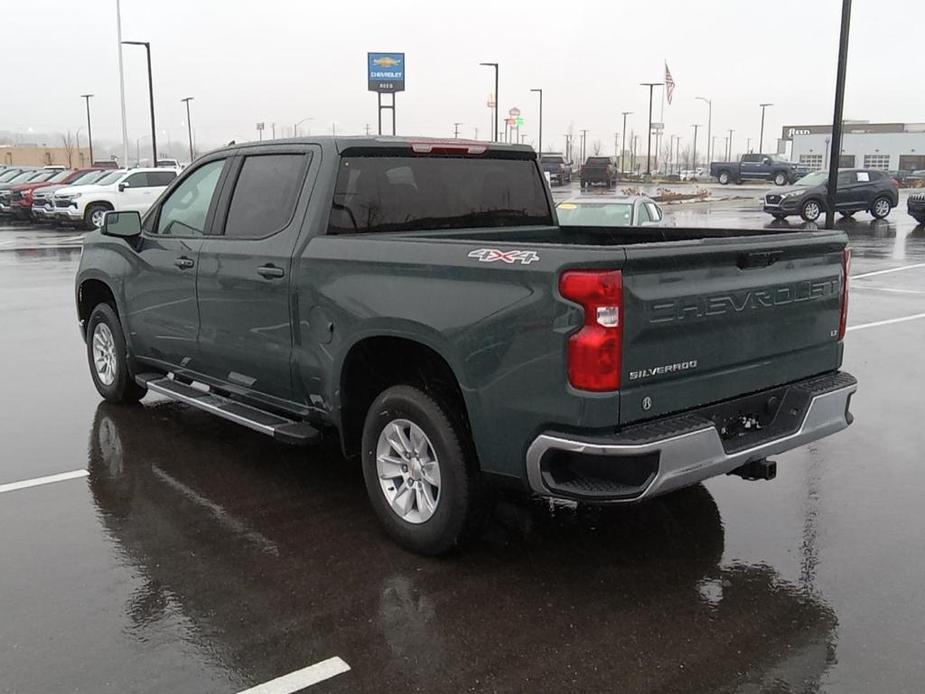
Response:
column 38, row 481
column 884, row 272
column 894, row 290
column 300, row 679
column 889, row 321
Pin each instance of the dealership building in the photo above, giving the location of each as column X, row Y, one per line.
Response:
column 885, row 146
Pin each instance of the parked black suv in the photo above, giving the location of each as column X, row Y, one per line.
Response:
column 916, row 207
column 857, row 190
column 599, row 170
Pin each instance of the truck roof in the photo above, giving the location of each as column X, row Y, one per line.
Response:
column 343, row 143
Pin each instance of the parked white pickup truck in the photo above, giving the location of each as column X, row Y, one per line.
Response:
column 122, row 190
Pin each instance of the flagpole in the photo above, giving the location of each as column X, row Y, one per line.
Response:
column 661, row 119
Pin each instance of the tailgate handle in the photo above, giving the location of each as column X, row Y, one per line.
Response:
column 758, row 259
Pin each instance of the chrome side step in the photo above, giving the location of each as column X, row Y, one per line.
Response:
column 282, row 429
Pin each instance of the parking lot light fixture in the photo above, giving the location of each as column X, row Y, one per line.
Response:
column 295, row 128
column 696, row 127
column 651, row 86
column 623, row 148
column 147, row 46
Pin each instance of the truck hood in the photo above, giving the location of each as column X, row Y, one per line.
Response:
column 70, row 190
column 49, row 188
column 803, row 190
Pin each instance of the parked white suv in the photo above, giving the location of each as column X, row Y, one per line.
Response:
column 122, row 190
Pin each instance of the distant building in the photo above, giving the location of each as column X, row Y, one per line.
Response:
column 38, row 155
column 884, row 146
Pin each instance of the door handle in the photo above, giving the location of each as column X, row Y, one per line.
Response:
column 184, row 263
column 270, row 271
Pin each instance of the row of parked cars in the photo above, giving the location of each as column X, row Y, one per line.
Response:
column 79, row 197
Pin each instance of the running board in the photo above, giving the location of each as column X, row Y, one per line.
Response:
column 282, row 429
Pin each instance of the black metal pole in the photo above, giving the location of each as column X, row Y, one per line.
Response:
column 151, row 97
column 189, row 127
column 540, row 92
column 694, row 153
column 835, row 147
column 761, row 135
column 393, row 114
column 651, row 86
column 623, row 148
column 86, row 97
column 497, row 102
column 379, row 109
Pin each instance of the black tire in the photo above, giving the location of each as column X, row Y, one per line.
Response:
column 811, row 210
column 780, row 178
column 724, row 178
column 460, row 503
column 881, row 207
column 91, row 211
column 122, row 387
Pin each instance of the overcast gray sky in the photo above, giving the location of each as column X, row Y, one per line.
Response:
column 283, row 60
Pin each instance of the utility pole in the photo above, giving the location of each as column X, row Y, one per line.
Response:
column 86, row 97
column 835, row 148
column 761, row 137
column 273, row 128
column 568, row 148
column 729, row 146
column 497, row 100
column 623, row 148
column 710, row 149
column 189, row 127
column 616, row 143
column 150, row 94
column 748, row 145
column 540, row 92
column 651, row 86
column 367, row 129
column 584, row 139
column 476, row 134
column 696, row 127
column 456, row 130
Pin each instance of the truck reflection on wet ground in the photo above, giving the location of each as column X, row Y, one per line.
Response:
column 270, row 557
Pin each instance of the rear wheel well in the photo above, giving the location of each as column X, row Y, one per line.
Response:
column 376, row 363
column 92, row 293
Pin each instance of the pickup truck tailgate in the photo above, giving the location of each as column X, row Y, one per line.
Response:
column 721, row 317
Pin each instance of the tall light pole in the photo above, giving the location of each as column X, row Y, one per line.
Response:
column 696, row 127
column 456, row 130
column 295, row 128
column 584, row 139
column 568, row 148
column 729, row 146
column 835, row 149
column 761, row 137
column 150, row 95
column 623, row 147
column 121, row 83
column 651, row 86
column 540, row 92
column 709, row 103
column 189, row 127
column 497, row 100
column 87, row 97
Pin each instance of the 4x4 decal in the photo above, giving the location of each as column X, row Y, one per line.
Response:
column 490, row 255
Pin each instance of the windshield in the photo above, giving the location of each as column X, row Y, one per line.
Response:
column 598, row 160
column 8, row 176
column 23, row 177
column 111, row 177
column 58, row 177
column 595, row 214
column 88, row 177
column 816, row 178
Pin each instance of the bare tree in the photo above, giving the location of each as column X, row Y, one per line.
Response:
column 67, row 141
column 596, row 147
column 686, row 156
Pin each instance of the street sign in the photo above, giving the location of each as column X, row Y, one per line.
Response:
column 519, row 122
column 658, row 127
column 386, row 73
column 260, row 127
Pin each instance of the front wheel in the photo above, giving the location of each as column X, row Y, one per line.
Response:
column 724, row 178
column 881, row 207
column 420, row 473
column 780, row 178
column 108, row 357
column 811, row 210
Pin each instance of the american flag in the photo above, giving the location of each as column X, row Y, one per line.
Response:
column 669, row 84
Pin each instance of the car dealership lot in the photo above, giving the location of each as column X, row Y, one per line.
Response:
column 187, row 554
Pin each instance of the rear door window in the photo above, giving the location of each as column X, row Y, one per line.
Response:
column 395, row 193
column 265, row 194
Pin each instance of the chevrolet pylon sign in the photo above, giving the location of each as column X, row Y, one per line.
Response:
column 386, row 73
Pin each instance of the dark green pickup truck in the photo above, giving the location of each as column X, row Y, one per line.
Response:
column 418, row 298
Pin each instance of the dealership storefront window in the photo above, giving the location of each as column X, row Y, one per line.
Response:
column 877, row 161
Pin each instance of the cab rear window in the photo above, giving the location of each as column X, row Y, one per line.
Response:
column 394, row 193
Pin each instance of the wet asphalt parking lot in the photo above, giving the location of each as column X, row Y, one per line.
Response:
column 186, row 554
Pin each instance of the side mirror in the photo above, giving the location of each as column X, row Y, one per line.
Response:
column 124, row 225
column 123, row 186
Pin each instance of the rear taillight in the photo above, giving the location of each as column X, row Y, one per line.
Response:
column 595, row 353
column 846, row 268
